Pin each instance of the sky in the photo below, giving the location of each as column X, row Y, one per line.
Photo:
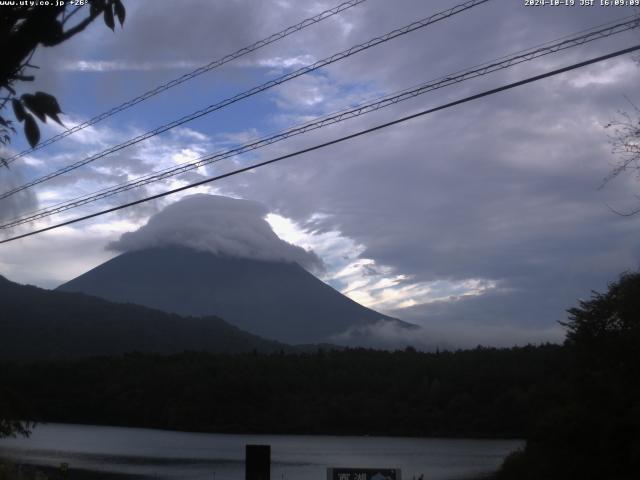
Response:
column 481, row 223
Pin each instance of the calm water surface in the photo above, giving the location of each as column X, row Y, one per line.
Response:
column 173, row 455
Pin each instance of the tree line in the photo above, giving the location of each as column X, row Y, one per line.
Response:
column 484, row 392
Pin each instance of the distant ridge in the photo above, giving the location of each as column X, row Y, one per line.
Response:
column 38, row 324
column 276, row 300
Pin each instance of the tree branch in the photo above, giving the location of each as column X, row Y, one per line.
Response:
column 78, row 28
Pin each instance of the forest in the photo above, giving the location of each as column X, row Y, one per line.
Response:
column 475, row 393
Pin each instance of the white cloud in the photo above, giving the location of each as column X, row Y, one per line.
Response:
column 451, row 335
column 305, row 92
column 54, row 257
column 19, row 203
column 362, row 279
column 125, row 65
column 286, row 62
column 605, row 73
column 221, row 225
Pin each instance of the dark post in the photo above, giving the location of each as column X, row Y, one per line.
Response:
column 64, row 470
column 258, row 462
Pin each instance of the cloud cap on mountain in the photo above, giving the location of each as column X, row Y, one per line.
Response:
column 220, row 225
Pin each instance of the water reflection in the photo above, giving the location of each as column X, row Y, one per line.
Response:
column 173, row 455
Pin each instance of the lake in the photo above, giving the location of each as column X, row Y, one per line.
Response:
column 172, row 455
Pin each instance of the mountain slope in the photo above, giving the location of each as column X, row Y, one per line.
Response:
column 38, row 324
column 272, row 299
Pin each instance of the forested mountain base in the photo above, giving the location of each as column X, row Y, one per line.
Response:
column 475, row 393
column 38, row 324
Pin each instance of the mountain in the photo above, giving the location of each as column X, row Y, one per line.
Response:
column 276, row 300
column 37, row 324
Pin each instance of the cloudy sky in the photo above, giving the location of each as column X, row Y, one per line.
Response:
column 483, row 223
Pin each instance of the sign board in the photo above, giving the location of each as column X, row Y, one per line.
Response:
column 346, row 473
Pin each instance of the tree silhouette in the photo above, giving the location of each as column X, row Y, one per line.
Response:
column 25, row 27
column 625, row 144
column 593, row 430
column 607, row 319
column 12, row 411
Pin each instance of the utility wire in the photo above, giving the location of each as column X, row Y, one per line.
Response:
column 333, row 142
column 253, row 91
column 357, row 111
column 188, row 76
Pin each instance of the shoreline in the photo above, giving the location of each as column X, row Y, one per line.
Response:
column 474, row 436
column 26, row 471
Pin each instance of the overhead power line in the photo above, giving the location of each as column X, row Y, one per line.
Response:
column 503, row 63
column 188, row 76
column 333, row 142
column 255, row 90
